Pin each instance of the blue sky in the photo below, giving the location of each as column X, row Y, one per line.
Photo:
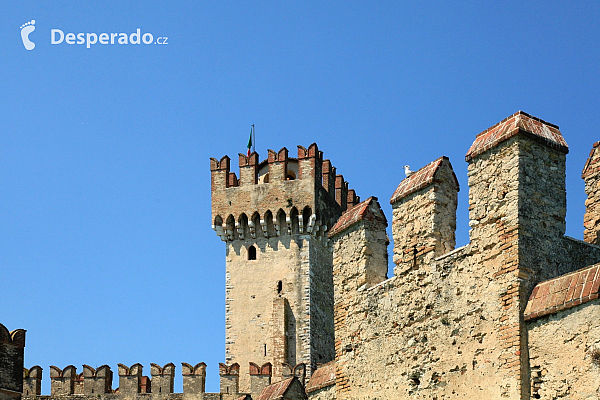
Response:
column 106, row 250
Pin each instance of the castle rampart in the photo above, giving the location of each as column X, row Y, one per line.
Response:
column 512, row 314
column 133, row 385
column 453, row 324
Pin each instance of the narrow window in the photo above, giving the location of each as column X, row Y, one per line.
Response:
column 265, row 349
column 279, row 287
column 251, row 253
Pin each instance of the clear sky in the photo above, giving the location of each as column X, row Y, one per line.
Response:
column 106, row 249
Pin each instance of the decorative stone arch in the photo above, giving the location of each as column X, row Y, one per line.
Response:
column 294, row 220
column 306, row 213
column 243, row 230
column 281, row 222
column 268, row 225
column 230, row 230
column 254, row 225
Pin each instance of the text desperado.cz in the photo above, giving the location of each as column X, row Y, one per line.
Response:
column 57, row 36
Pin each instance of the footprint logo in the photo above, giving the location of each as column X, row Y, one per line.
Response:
column 26, row 29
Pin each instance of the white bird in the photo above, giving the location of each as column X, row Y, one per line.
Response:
column 407, row 171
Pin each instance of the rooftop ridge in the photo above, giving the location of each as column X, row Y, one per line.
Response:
column 514, row 115
column 419, row 180
column 520, row 122
column 276, row 390
column 354, row 215
column 590, row 165
column 323, row 377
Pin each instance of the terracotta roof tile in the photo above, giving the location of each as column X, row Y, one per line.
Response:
column 519, row 122
column 563, row 292
column 323, row 377
column 356, row 214
column 592, row 165
column 419, row 180
column 276, row 390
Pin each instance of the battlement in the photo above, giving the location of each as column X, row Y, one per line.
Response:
column 512, row 314
column 278, row 196
column 97, row 381
column 462, row 312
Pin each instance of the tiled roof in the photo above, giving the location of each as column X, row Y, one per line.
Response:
column 354, row 215
column 276, row 390
column 519, row 122
column 563, row 292
column 592, row 165
column 418, row 180
column 324, row 376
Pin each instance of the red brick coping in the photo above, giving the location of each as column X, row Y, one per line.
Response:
column 563, row 292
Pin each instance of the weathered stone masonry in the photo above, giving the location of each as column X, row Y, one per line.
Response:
column 513, row 314
column 279, row 288
column 451, row 323
column 12, row 346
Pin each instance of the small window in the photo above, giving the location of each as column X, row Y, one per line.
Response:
column 279, row 287
column 290, row 176
column 251, row 253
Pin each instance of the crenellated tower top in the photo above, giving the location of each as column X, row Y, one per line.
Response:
column 280, row 195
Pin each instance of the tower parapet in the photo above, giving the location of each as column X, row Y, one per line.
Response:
column 301, row 188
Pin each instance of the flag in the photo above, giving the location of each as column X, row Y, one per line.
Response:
column 250, row 142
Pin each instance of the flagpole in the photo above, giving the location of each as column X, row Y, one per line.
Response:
column 254, row 137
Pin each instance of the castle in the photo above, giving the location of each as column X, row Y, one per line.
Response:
column 311, row 314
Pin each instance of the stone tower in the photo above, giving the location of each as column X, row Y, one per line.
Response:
column 279, row 286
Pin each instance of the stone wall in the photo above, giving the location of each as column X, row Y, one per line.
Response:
column 591, row 177
column 360, row 261
column 453, row 326
column 327, row 393
column 12, row 346
column 279, row 286
column 297, row 269
column 564, row 350
column 424, row 221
